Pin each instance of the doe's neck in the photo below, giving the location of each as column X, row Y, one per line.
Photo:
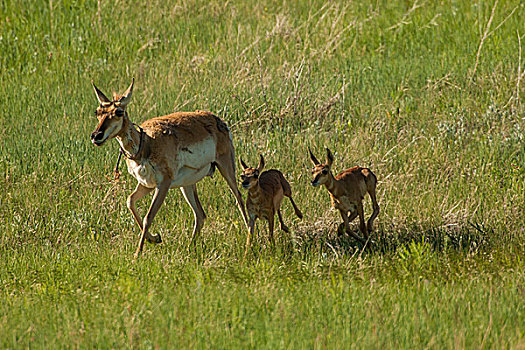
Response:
column 129, row 138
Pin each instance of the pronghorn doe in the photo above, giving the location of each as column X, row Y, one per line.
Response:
column 176, row 150
column 347, row 191
column 266, row 191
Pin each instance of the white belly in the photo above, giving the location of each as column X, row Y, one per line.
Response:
column 186, row 176
column 193, row 162
column 190, row 166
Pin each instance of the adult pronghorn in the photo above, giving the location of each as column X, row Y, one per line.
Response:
column 347, row 191
column 176, row 150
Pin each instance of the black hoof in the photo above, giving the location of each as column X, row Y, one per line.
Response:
column 155, row 239
column 341, row 230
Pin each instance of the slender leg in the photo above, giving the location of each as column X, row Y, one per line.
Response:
column 342, row 229
column 347, row 226
column 352, row 216
column 251, row 230
column 158, row 198
column 362, row 225
column 283, row 226
column 277, row 205
column 226, row 166
column 271, row 219
column 190, row 193
column 199, row 202
column 140, row 192
column 370, row 223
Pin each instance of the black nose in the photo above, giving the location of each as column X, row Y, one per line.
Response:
column 97, row 135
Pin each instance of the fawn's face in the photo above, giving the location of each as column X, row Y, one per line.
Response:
column 249, row 178
column 110, row 115
column 320, row 171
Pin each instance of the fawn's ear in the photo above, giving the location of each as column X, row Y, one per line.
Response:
column 244, row 166
column 261, row 163
column 126, row 96
column 312, row 157
column 102, row 99
column 329, row 158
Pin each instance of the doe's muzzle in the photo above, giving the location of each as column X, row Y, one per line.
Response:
column 97, row 136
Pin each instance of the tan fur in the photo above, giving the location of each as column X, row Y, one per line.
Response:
column 176, row 150
column 347, row 191
column 170, row 135
column 265, row 194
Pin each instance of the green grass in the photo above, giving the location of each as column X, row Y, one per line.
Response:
column 386, row 84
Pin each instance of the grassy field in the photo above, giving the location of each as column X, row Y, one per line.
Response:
column 428, row 94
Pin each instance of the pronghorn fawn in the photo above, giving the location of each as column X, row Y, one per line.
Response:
column 266, row 191
column 176, row 150
column 347, row 191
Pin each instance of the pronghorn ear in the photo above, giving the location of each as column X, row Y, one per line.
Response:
column 329, row 157
column 243, row 164
column 260, row 167
column 126, row 96
column 102, row 99
column 312, row 157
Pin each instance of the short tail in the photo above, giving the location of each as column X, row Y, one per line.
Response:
column 371, row 183
column 297, row 211
column 287, row 189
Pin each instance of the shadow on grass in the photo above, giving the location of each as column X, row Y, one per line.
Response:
column 463, row 237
